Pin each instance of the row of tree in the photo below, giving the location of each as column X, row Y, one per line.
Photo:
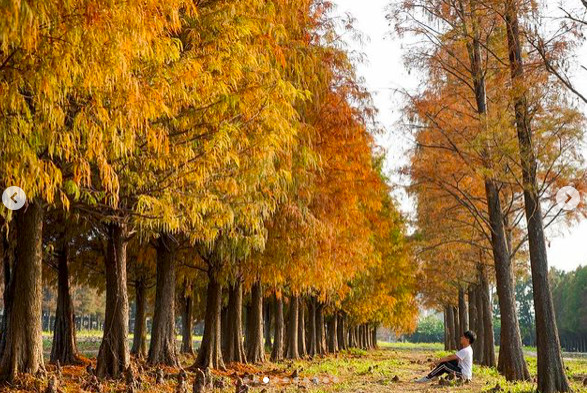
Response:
column 205, row 154
column 569, row 296
column 497, row 133
column 569, row 292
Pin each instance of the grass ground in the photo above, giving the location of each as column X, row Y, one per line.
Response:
column 389, row 369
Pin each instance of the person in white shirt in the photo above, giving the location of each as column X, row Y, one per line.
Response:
column 460, row 364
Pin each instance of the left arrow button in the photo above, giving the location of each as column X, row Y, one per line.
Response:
column 13, row 198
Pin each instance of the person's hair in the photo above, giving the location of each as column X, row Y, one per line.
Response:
column 470, row 335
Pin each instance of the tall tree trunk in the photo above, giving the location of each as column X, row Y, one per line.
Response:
column 187, row 315
column 361, row 336
column 23, row 350
column 446, row 329
column 279, row 326
column 313, row 344
column 333, row 334
column 163, row 349
column 488, row 339
column 449, row 327
column 267, row 316
column 224, row 331
column 463, row 311
column 473, row 324
column 7, row 263
column 341, row 331
column 551, row 370
column 364, row 337
column 210, row 353
column 113, row 355
column 374, row 337
column 513, row 365
column 456, row 334
column 481, row 337
column 139, row 342
column 254, row 345
column 248, row 323
column 64, row 348
column 235, row 351
column 320, row 333
column 292, row 329
column 302, row 329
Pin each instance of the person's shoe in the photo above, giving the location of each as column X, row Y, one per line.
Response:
column 423, row 380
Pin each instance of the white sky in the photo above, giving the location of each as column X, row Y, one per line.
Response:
column 384, row 72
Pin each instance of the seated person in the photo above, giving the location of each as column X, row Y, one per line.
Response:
column 461, row 363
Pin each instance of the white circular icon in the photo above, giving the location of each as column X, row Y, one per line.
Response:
column 568, row 198
column 265, row 380
column 13, row 198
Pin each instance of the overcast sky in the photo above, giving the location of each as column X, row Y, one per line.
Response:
column 384, row 73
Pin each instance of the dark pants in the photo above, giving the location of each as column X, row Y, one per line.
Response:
column 446, row 368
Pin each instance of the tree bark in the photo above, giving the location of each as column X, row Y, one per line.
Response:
column 313, row 344
column 449, row 327
column 224, row 331
column 187, row 316
column 341, row 331
column 7, row 263
column 463, row 311
column 248, row 323
column 446, row 330
column 374, row 337
column 302, row 329
column 292, row 329
column 456, row 334
column 333, row 334
column 551, row 370
column 365, row 337
column 23, row 350
column 279, row 326
column 113, row 355
column 481, row 337
column 473, row 324
column 64, row 348
column 488, row 339
column 139, row 342
column 320, row 329
column 235, row 351
column 8, row 243
column 254, row 344
column 513, row 365
column 210, row 352
column 163, row 349
column 267, row 316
